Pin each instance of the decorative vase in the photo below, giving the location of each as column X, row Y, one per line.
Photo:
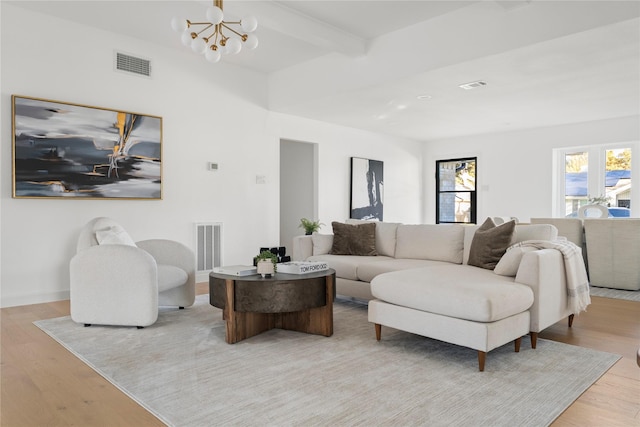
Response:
column 265, row 268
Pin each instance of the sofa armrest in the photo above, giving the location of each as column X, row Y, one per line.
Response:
column 543, row 271
column 302, row 247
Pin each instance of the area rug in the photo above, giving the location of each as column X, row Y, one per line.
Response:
column 182, row 371
column 614, row 293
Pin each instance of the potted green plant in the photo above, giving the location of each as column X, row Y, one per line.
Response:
column 310, row 226
column 266, row 263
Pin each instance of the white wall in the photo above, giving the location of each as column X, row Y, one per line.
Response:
column 336, row 145
column 298, row 188
column 211, row 113
column 515, row 169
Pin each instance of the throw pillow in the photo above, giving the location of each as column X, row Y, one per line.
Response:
column 490, row 243
column 114, row 236
column 510, row 261
column 385, row 235
column 354, row 239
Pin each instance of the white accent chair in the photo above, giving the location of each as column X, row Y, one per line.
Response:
column 115, row 281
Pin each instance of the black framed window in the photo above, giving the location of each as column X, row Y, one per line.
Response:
column 456, row 191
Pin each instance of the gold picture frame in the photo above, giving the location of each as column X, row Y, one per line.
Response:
column 65, row 150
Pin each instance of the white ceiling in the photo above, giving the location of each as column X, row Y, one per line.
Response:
column 362, row 63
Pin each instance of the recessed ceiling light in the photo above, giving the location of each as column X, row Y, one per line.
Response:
column 473, row 85
column 423, row 97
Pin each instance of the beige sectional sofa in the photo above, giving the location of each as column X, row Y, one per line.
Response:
column 420, row 282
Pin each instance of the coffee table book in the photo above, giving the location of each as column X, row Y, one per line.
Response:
column 302, row 267
column 236, row 270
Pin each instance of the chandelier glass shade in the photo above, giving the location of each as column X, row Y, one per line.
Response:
column 215, row 36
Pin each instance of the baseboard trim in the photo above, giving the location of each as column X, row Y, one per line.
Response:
column 39, row 298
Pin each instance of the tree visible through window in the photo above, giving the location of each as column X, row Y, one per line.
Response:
column 456, row 191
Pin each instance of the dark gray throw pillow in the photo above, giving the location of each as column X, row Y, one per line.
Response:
column 489, row 243
column 357, row 239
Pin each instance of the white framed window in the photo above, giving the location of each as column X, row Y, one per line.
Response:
column 603, row 174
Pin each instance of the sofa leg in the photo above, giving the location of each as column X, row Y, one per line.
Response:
column 378, row 331
column 86, row 325
column 180, row 308
column 517, row 343
column 534, row 339
column 482, row 356
column 571, row 320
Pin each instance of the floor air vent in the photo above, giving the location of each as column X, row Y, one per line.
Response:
column 208, row 246
column 133, row 64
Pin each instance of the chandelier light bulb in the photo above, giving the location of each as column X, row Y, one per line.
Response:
column 251, row 42
column 214, row 15
column 234, row 46
column 186, row 38
column 212, row 55
column 249, row 23
column 198, row 45
column 178, row 24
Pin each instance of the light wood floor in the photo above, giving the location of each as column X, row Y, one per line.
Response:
column 42, row 384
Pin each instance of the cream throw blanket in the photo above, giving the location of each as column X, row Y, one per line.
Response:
column 577, row 281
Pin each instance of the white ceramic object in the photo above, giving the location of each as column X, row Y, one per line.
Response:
column 265, row 267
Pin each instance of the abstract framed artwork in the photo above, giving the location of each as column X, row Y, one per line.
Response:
column 367, row 189
column 67, row 150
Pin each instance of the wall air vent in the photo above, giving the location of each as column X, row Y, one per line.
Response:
column 132, row 64
column 473, row 85
column 208, row 248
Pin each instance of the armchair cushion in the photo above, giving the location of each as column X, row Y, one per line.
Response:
column 114, row 235
column 170, row 277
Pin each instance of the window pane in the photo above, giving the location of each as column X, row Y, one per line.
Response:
column 456, row 190
column 575, row 180
column 618, row 182
column 457, row 175
column 455, row 207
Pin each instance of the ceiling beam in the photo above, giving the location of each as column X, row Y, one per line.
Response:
column 277, row 17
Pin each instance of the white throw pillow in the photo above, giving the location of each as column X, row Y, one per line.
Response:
column 322, row 243
column 114, row 236
column 510, row 261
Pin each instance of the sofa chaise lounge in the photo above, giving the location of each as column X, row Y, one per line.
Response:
column 419, row 280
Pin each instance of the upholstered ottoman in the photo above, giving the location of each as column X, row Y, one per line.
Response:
column 459, row 304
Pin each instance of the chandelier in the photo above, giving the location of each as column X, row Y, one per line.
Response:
column 215, row 36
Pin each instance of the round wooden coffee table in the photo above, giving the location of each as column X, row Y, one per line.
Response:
column 253, row 304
